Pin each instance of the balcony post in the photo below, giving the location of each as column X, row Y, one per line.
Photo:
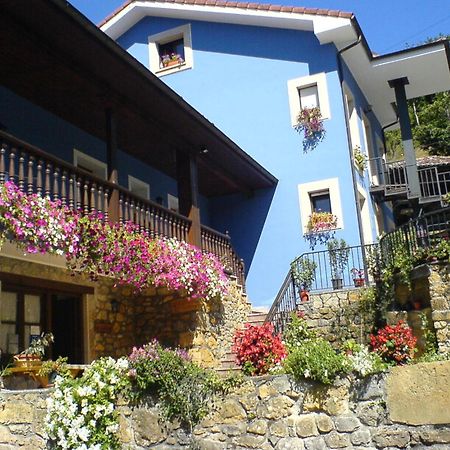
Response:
column 405, row 127
column 188, row 195
column 112, row 164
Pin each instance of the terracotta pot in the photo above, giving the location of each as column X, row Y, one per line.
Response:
column 304, row 296
column 359, row 282
column 27, row 361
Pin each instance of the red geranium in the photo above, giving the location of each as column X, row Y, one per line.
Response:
column 395, row 344
column 258, row 349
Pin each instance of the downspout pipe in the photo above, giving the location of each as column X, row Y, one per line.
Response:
column 347, row 126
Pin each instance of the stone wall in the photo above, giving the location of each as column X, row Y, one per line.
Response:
column 407, row 408
column 205, row 328
column 335, row 315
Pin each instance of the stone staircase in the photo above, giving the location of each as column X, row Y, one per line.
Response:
column 228, row 363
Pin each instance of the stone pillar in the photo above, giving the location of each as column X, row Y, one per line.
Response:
column 407, row 142
column 440, row 304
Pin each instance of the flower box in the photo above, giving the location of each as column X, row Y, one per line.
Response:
column 321, row 222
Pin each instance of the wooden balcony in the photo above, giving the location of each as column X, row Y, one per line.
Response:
column 36, row 171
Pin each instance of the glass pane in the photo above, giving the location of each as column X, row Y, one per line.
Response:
column 309, row 97
column 32, row 309
column 8, row 338
column 8, row 306
column 321, row 203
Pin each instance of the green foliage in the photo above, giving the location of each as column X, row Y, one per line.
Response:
column 361, row 361
column 339, row 252
column 59, row 367
column 184, row 390
column 315, row 359
column 297, row 333
column 359, row 158
column 304, row 272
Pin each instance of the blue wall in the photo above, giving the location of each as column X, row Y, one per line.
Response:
column 239, row 82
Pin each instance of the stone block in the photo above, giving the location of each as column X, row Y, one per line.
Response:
column 148, row 429
column 290, row 443
column 16, row 412
column 231, row 411
column 370, row 413
column 442, row 315
column 275, row 407
column 266, row 390
column 250, row 441
column 315, row 443
column 418, row 394
column 258, row 427
column 346, row 424
column 333, row 400
column 436, row 436
column 305, row 426
column 391, row 437
column 336, row 440
column 279, row 429
column 360, row 437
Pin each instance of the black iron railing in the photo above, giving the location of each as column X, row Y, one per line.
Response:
column 321, row 271
column 359, row 265
column 421, row 233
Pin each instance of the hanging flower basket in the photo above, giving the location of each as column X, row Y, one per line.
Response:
column 310, row 123
column 320, row 228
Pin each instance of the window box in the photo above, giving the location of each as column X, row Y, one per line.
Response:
column 320, row 222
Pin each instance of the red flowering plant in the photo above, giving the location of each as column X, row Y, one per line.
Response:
column 310, row 123
column 395, row 344
column 258, row 349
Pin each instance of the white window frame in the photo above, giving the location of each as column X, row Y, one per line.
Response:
column 184, row 32
column 88, row 161
column 139, row 184
column 304, row 193
column 319, row 80
column 173, row 203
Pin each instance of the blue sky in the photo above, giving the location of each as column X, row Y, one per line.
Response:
column 388, row 25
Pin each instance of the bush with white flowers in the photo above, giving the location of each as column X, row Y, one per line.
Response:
column 81, row 413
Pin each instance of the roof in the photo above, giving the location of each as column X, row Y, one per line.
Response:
column 72, row 69
column 240, row 5
column 371, row 72
column 433, row 161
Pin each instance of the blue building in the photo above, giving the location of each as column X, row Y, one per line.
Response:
column 251, row 68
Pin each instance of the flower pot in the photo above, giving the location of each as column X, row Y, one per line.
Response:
column 304, row 295
column 337, row 283
column 171, row 63
column 359, row 282
column 27, row 361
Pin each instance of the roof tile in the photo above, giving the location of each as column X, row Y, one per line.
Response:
column 241, row 5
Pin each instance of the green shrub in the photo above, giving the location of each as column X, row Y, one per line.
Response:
column 316, row 360
column 297, row 332
column 184, row 390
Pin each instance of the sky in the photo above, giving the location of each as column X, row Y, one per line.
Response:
column 388, row 25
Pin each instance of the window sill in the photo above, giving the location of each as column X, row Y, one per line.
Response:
column 172, row 69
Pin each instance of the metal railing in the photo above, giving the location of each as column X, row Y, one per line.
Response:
column 332, row 270
column 393, row 177
column 421, row 233
column 36, row 171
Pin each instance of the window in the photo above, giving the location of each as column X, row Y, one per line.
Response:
column 323, row 195
column 320, row 201
column 309, row 97
column 90, row 164
column 139, row 187
column 172, row 203
column 171, row 51
column 308, row 92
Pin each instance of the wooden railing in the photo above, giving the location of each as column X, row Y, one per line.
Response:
column 36, row 171
column 219, row 244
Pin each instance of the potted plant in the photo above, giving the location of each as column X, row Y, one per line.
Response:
column 358, row 276
column 174, row 59
column 50, row 369
column 310, row 123
column 304, row 272
column 359, row 159
column 321, row 221
column 32, row 355
column 338, row 252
